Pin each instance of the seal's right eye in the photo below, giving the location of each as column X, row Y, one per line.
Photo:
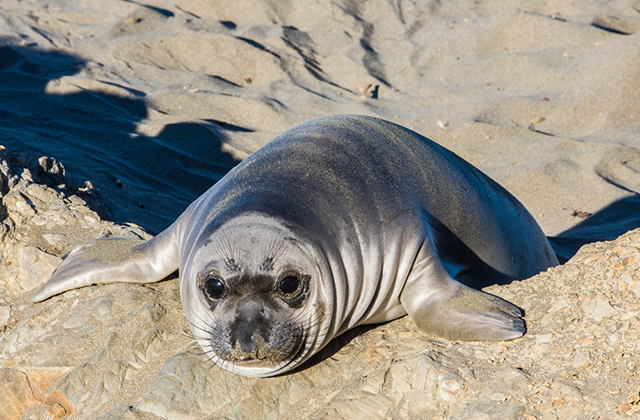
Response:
column 214, row 288
column 289, row 284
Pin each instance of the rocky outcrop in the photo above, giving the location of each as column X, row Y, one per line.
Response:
column 124, row 351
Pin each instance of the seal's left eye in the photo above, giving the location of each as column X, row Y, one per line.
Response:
column 214, row 288
column 289, row 284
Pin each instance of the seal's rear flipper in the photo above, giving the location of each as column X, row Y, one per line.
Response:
column 441, row 306
column 113, row 260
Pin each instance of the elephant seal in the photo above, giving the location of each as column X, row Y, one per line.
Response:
column 341, row 221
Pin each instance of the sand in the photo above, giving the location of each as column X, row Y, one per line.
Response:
column 154, row 103
column 149, row 104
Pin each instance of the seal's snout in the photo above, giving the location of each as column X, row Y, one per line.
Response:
column 254, row 348
column 259, row 333
column 251, row 332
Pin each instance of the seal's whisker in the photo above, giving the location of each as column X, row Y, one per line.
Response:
column 279, row 250
column 193, row 325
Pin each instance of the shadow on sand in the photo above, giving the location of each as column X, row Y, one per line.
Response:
column 145, row 180
column 605, row 225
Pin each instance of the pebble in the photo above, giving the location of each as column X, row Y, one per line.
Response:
column 597, row 308
column 449, row 388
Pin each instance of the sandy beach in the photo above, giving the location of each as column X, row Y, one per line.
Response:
column 148, row 104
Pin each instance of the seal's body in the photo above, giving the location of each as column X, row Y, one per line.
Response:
column 341, row 221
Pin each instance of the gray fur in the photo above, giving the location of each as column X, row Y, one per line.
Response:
column 375, row 220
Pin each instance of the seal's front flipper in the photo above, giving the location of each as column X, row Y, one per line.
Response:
column 114, row 260
column 443, row 307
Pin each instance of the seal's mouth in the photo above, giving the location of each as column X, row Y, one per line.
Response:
column 262, row 362
column 256, row 342
column 261, row 352
column 253, row 363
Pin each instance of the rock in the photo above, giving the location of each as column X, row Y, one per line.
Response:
column 5, row 315
column 597, row 308
column 56, row 412
column 24, row 389
column 189, row 381
column 16, row 392
column 449, row 388
column 35, row 267
column 125, row 350
column 122, row 412
column 363, row 405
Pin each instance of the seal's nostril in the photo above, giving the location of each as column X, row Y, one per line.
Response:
column 247, row 345
column 252, row 346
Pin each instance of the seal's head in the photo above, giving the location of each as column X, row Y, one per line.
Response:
column 253, row 297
